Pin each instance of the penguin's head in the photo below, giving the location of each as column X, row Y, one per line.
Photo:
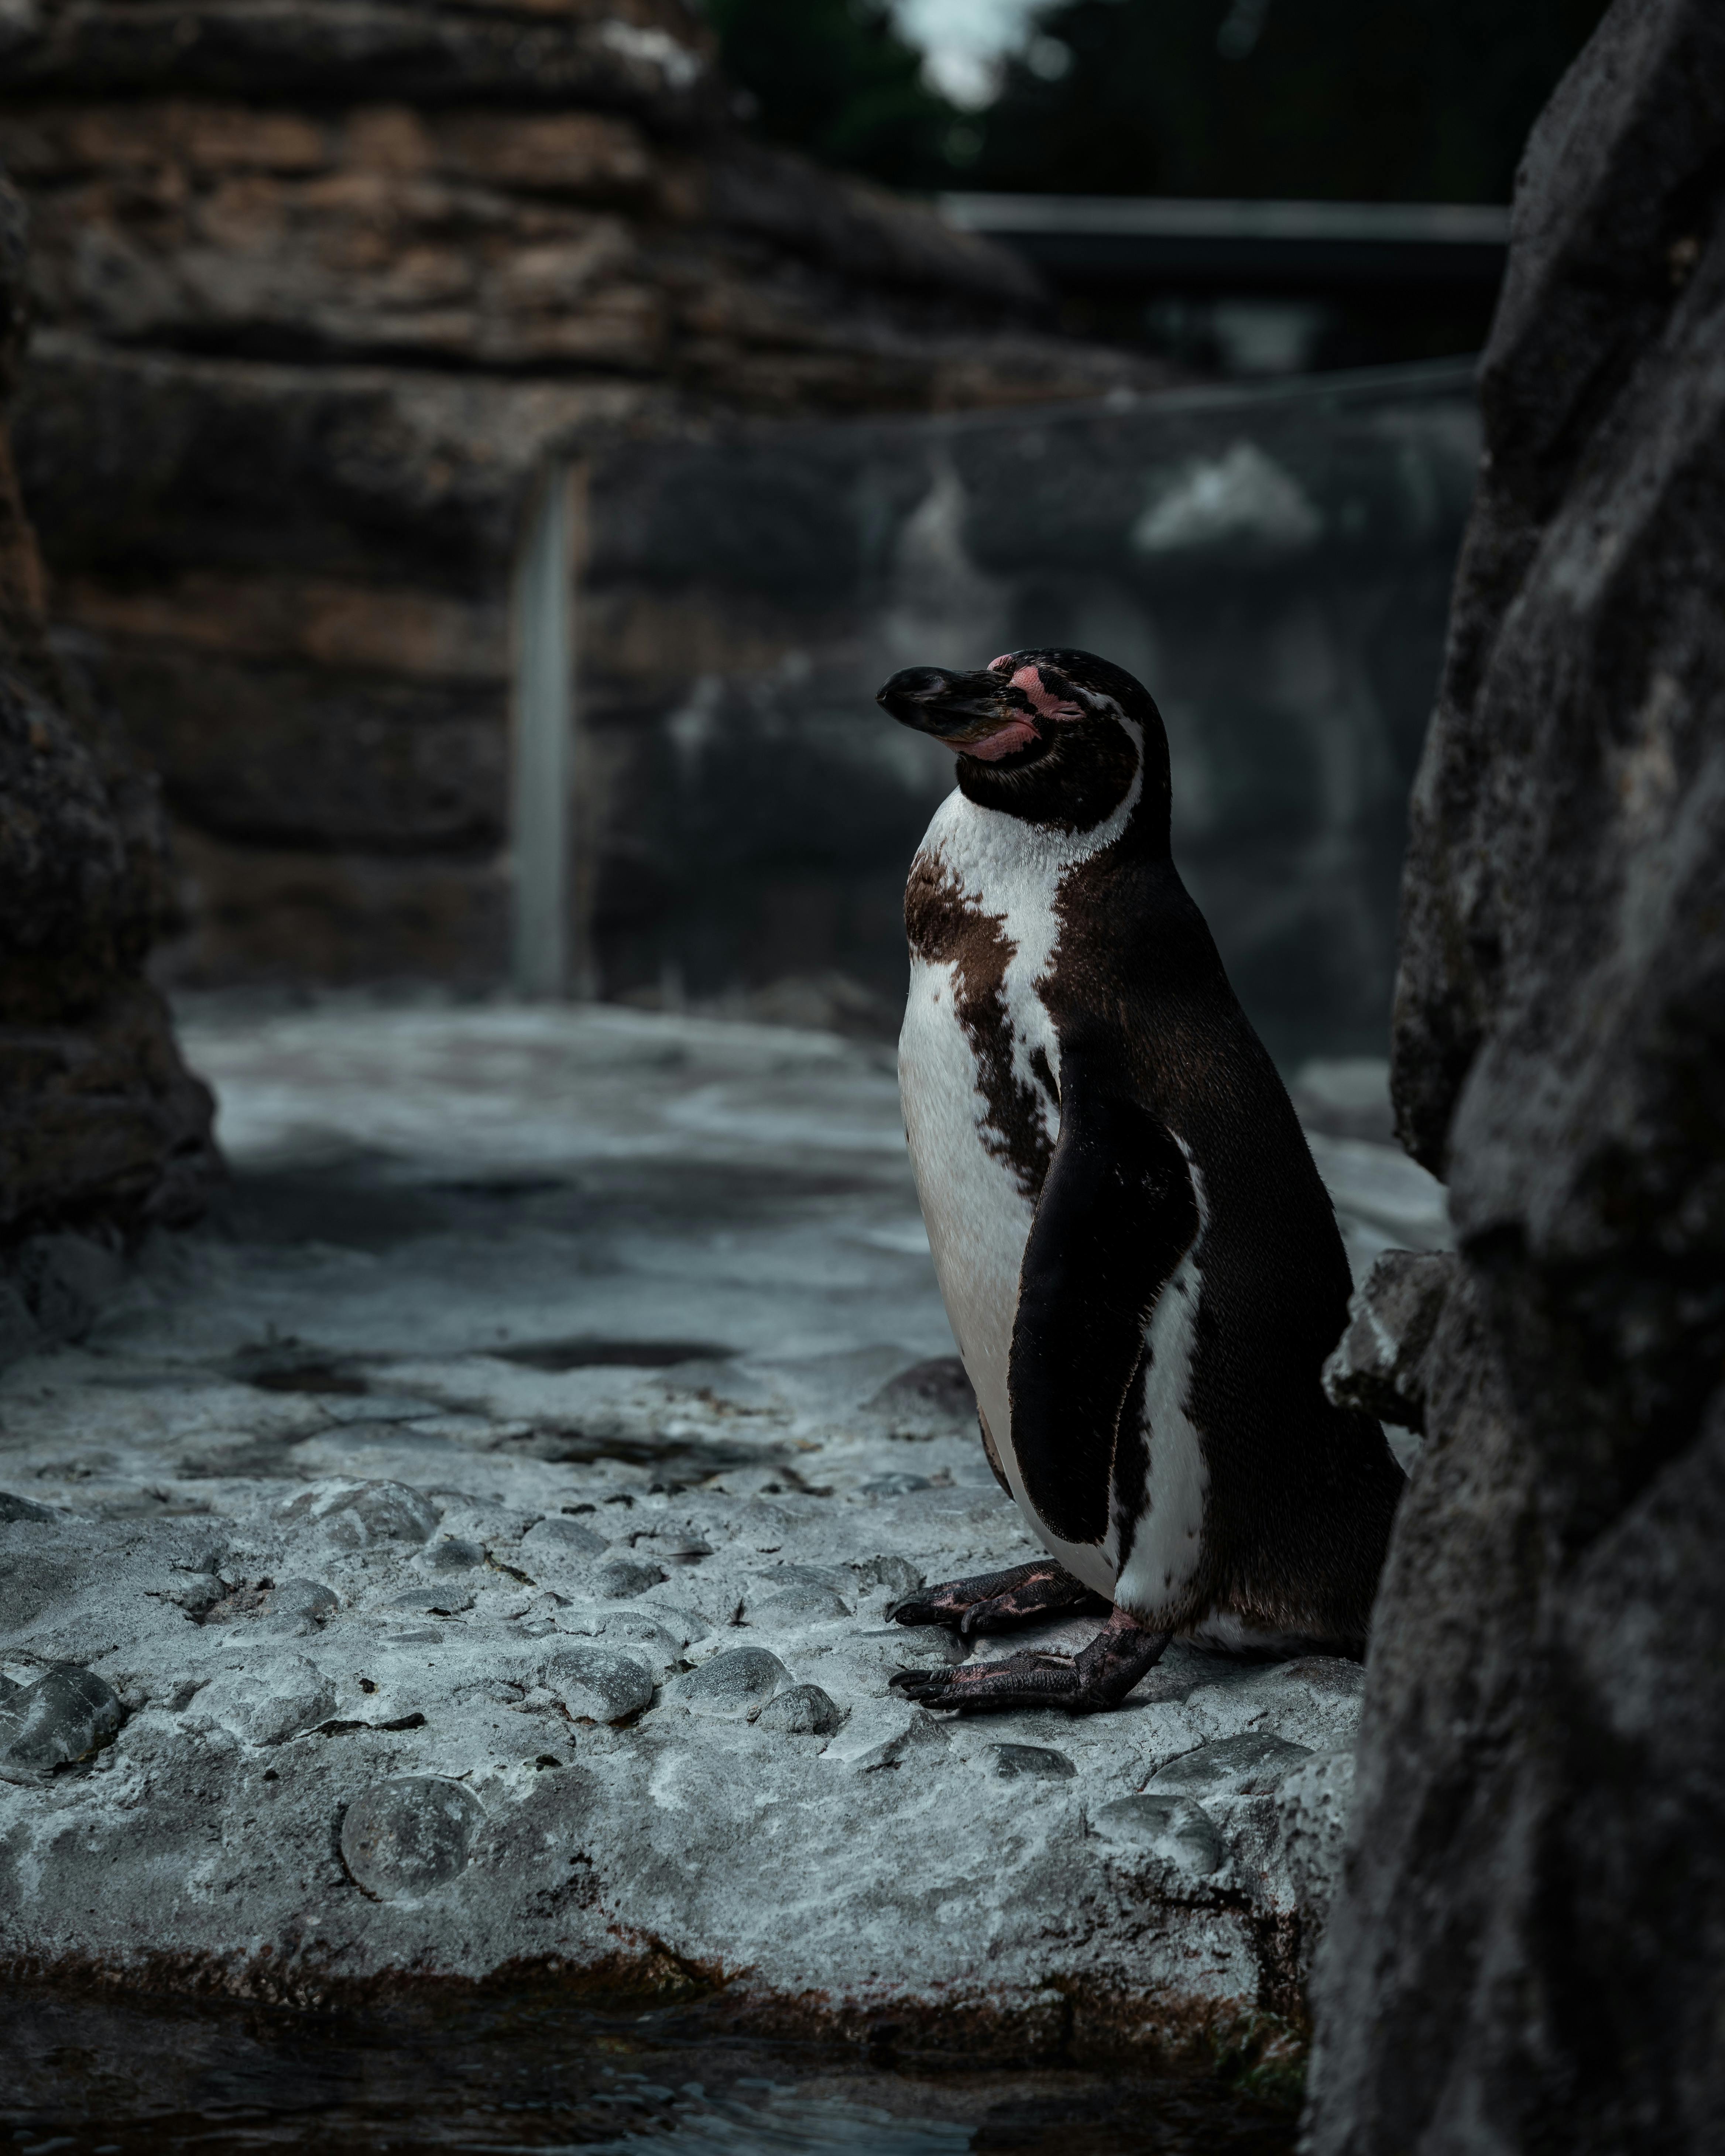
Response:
column 1051, row 736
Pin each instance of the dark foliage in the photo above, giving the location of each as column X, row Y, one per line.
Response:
column 832, row 78
column 1424, row 101
column 1427, row 99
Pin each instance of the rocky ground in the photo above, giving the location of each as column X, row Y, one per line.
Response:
column 474, row 1548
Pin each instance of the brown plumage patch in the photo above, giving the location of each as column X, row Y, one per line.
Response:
column 946, row 928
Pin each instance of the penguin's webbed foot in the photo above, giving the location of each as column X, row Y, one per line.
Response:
column 1099, row 1675
column 995, row 1601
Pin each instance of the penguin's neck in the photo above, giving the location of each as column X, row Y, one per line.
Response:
column 1088, row 772
column 997, row 855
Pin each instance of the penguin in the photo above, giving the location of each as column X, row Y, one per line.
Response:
column 1140, row 1263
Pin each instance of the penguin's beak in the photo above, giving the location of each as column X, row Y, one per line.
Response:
column 980, row 714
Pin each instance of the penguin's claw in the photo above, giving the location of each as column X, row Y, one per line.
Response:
column 1099, row 1675
column 996, row 1601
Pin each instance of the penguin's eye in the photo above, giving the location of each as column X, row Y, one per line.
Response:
column 1042, row 701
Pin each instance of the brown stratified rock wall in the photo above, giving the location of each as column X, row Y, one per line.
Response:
column 326, row 286
column 299, row 583
column 1528, row 1952
column 498, row 240
column 101, row 1125
column 650, row 56
column 470, row 237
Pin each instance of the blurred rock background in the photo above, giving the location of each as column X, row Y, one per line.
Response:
column 1277, row 565
column 326, row 296
column 344, row 312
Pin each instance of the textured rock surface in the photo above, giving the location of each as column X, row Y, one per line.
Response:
column 1527, row 1950
column 337, row 1496
column 99, row 1125
column 528, row 54
column 57, row 1719
column 489, row 239
column 1379, row 1364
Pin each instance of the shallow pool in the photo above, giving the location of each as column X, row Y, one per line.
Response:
column 98, row 2076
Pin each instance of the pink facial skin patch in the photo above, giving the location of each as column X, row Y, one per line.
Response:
column 1016, row 733
column 1041, row 700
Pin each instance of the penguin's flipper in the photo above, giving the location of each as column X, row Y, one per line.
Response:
column 994, row 1601
column 1116, row 1213
column 1099, row 1675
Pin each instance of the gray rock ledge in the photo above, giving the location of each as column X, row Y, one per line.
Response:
column 587, row 1667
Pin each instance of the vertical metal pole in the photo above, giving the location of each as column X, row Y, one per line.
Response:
column 542, row 731
column 585, row 806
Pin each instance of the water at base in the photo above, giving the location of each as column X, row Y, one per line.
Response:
column 97, row 2076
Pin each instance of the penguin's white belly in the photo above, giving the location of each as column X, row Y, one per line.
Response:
column 978, row 1220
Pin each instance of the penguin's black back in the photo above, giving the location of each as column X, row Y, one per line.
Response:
column 1301, row 1493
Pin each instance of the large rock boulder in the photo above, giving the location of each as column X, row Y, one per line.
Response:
column 1527, row 1949
column 101, row 1126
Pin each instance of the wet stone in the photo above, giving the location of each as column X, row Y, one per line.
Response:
column 897, row 1484
column 804, row 1711
column 194, row 1592
column 735, row 1686
column 455, row 1553
column 435, row 1601
column 269, row 1704
column 625, row 1577
column 304, row 1602
column 1031, row 1762
column 13, row 1507
column 802, row 1601
column 928, row 1398
column 1245, row 1766
column 802, row 1575
column 410, row 1835
column 922, row 1646
column 359, row 1515
column 65, row 1716
column 563, row 1538
column 596, row 1684
column 1175, row 1829
column 896, row 1574
column 684, row 1624
column 658, row 1647
column 686, row 1552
